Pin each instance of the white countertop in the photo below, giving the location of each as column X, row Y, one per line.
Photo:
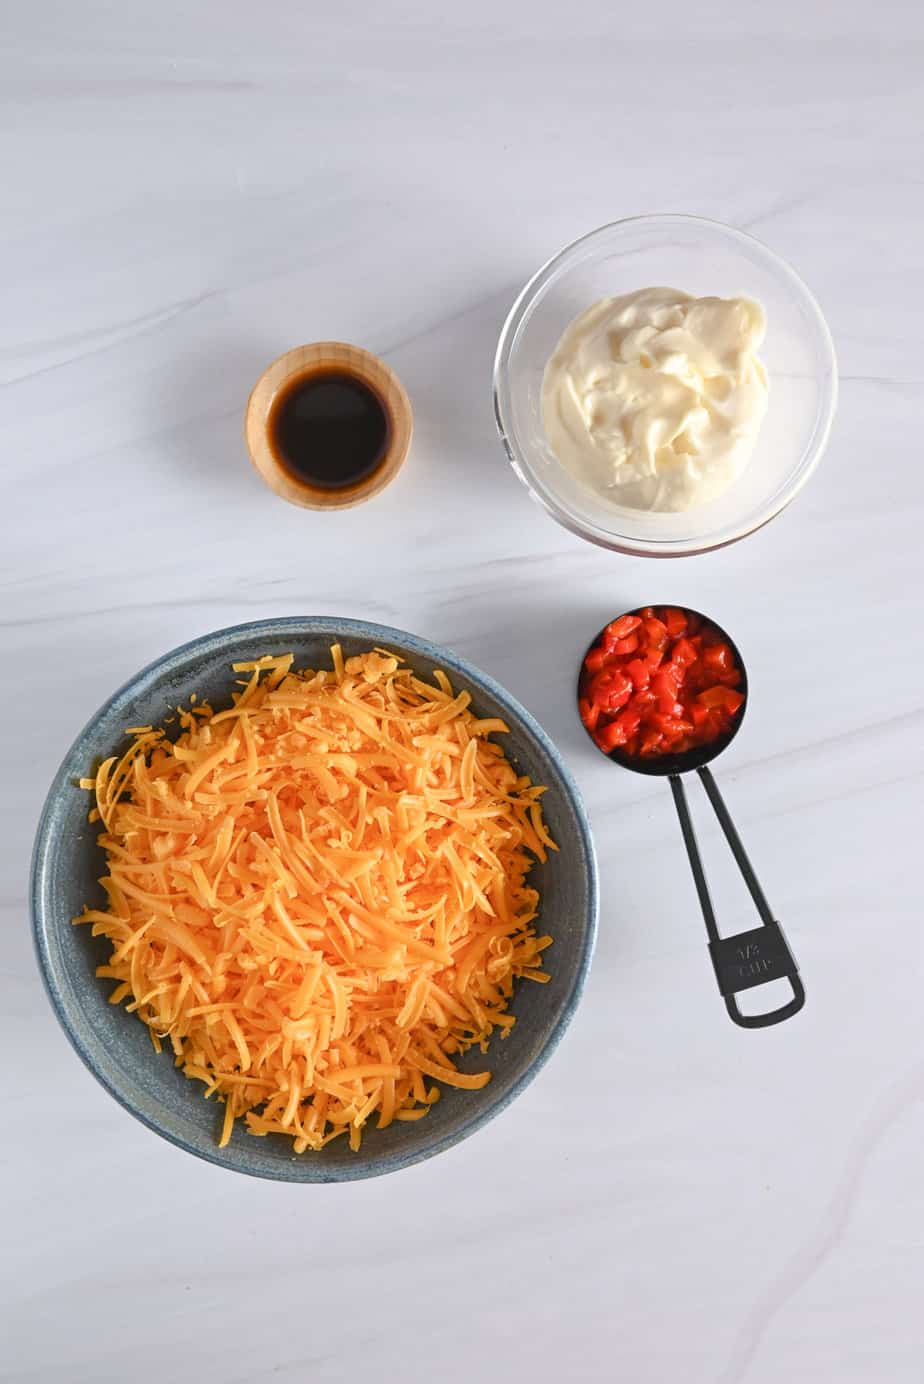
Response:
column 187, row 191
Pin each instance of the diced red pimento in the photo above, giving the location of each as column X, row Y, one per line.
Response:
column 611, row 736
column 621, row 628
column 685, row 652
column 659, row 681
column 676, row 622
column 639, row 672
column 590, row 712
column 595, row 660
column 699, row 715
column 723, row 698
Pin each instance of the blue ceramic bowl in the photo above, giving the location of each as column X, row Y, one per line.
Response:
column 115, row 1045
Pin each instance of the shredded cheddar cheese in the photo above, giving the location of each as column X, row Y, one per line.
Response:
column 318, row 896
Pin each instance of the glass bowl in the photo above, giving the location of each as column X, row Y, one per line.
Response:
column 700, row 257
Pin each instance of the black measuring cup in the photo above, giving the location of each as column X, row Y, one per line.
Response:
column 762, row 953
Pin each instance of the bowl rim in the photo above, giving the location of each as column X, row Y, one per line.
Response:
column 306, row 361
column 815, row 447
column 301, row 1169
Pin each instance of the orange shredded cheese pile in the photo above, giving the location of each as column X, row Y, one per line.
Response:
column 318, row 896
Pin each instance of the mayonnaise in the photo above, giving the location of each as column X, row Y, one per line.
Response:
column 654, row 400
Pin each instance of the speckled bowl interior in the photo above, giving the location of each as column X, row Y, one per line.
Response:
column 115, row 1045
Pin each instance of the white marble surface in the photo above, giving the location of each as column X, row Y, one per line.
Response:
column 189, row 189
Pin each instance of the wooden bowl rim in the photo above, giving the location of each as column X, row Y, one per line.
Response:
column 304, row 360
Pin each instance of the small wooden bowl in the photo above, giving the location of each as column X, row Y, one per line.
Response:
column 306, row 360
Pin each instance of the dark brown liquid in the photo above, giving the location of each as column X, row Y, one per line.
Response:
column 329, row 429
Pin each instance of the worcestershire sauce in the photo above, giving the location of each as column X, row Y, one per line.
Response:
column 329, row 429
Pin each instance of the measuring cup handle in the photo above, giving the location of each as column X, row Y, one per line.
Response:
column 772, row 1016
column 750, row 958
